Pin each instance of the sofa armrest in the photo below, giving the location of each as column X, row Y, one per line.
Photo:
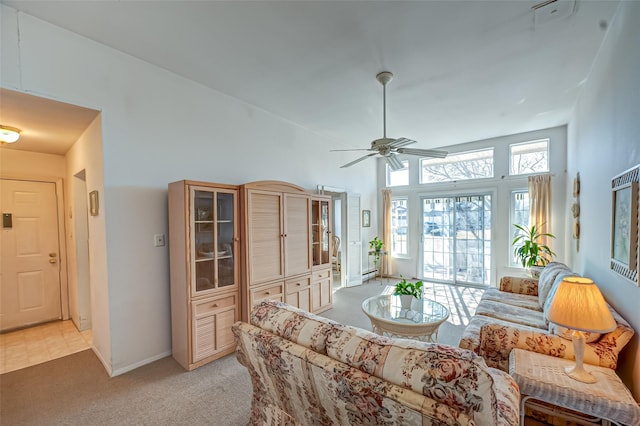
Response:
column 519, row 285
column 497, row 341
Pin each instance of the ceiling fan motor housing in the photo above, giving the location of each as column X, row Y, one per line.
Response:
column 379, row 143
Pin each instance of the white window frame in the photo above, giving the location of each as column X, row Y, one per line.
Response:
column 392, row 253
column 475, row 179
column 512, row 220
column 527, row 143
column 388, row 172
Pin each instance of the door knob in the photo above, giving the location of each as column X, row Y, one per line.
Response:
column 53, row 254
column 53, row 260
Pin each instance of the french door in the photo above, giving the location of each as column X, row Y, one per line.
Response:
column 456, row 239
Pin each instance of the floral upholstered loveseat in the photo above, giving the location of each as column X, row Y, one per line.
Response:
column 309, row 370
column 513, row 316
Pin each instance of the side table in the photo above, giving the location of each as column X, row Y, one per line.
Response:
column 542, row 378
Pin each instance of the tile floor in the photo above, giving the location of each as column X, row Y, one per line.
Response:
column 34, row 345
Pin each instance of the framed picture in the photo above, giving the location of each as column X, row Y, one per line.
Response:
column 94, row 205
column 624, row 224
column 366, row 218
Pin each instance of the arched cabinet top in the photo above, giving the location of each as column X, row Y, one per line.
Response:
column 275, row 185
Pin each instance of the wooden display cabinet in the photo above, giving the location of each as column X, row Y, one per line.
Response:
column 205, row 275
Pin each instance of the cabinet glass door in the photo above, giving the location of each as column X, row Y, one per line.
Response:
column 320, row 232
column 203, row 239
column 226, row 226
column 325, row 257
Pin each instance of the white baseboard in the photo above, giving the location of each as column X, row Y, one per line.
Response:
column 149, row 360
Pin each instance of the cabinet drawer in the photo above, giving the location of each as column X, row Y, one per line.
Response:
column 208, row 306
column 321, row 275
column 273, row 291
column 297, row 284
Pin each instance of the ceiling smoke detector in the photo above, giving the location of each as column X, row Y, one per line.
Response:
column 552, row 10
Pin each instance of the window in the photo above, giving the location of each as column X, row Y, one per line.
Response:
column 529, row 157
column 519, row 216
column 461, row 166
column 399, row 227
column 398, row 177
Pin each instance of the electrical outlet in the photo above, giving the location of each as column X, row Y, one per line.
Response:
column 158, row 240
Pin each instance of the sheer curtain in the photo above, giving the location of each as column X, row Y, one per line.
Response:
column 540, row 204
column 385, row 266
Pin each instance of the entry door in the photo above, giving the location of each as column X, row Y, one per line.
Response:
column 29, row 260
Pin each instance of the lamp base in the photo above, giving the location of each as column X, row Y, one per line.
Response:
column 580, row 374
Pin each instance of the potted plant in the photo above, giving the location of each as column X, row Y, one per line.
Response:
column 407, row 291
column 376, row 245
column 530, row 252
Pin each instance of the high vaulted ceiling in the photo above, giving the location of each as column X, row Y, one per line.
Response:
column 464, row 70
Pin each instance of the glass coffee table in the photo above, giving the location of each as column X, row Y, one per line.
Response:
column 420, row 322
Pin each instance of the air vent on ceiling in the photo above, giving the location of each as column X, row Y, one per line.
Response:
column 552, row 10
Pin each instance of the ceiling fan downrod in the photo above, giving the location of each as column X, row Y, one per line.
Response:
column 384, row 77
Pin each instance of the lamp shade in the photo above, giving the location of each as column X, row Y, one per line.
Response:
column 579, row 305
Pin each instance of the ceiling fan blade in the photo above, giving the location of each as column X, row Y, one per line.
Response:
column 394, row 163
column 337, row 150
column 358, row 160
column 401, row 142
column 435, row 153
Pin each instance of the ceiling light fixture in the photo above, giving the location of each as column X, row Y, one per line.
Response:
column 9, row 134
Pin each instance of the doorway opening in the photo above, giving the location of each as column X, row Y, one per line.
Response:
column 80, row 294
column 346, row 226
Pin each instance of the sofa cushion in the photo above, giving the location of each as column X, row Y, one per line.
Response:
column 455, row 377
column 547, row 278
column 470, row 338
column 511, row 313
column 514, row 299
column 293, row 324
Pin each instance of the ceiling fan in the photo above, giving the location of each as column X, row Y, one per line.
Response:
column 388, row 147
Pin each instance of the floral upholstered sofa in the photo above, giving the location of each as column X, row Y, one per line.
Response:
column 513, row 316
column 309, row 370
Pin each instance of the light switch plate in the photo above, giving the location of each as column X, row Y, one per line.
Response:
column 158, row 240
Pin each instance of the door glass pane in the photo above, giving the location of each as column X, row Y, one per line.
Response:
column 324, row 221
column 203, row 239
column 225, row 230
column 457, row 239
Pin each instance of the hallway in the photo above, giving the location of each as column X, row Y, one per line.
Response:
column 30, row 346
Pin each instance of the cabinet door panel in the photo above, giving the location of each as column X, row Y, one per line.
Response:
column 297, row 241
column 321, row 295
column 204, row 338
column 224, row 335
column 265, row 236
column 213, row 333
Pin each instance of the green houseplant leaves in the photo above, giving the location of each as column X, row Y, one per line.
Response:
column 527, row 248
column 405, row 288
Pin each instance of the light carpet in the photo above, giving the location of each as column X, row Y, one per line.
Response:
column 75, row 390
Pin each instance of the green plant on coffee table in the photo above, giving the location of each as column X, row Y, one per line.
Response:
column 406, row 288
column 527, row 248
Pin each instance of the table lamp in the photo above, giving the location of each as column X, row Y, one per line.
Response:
column 579, row 306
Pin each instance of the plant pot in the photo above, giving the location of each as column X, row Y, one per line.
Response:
column 405, row 301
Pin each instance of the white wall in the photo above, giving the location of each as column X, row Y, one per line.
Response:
column 86, row 155
column 603, row 141
column 157, row 128
column 500, row 186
